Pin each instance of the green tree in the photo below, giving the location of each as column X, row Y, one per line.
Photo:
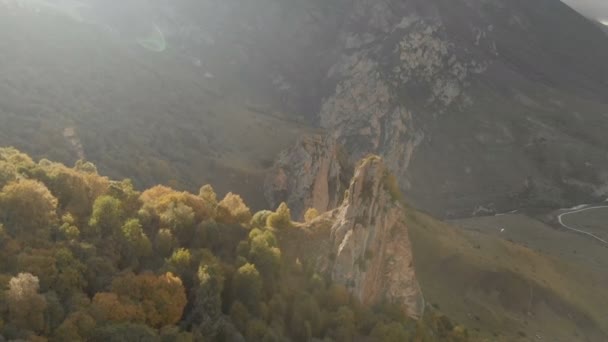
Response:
column 124, row 332
column 70, row 276
column 265, row 254
column 247, row 286
column 68, row 229
column 391, row 332
column 174, row 334
column 77, row 327
column 259, row 219
column 85, row 166
column 107, row 216
column 342, row 324
column 55, row 313
column 306, row 316
column 181, row 262
column 256, row 330
column 207, row 308
column 239, row 315
column 281, row 219
column 164, row 243
column 136, row 243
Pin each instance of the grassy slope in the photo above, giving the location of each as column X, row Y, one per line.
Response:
column 152, row 117
column 505, row 288
column 593, row 221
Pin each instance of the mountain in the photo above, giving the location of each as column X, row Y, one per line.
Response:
column 477, row 106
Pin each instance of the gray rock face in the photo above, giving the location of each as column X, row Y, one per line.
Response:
column 370, row 242
column 471, row 103
column 311, row 174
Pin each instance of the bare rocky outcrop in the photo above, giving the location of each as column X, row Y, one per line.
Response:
column 368, row 244
column 311, row 174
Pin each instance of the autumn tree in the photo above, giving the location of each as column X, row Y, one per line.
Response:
column 26, row 306
column 232, row 210
column 179, row 218
column 27, row 206
column 162, row 299
column 310, row 215
column 76, row 327
column 108, row 307
column 40, row 263
column 75, row 190
column 19, row 160
column 281, row 219
column 159, row 199
column 210, row 197
column 8, row 173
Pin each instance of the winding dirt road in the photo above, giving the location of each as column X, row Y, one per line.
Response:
column 561, row 222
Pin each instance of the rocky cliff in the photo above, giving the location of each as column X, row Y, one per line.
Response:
column 364, row 244
column 373, row 255
column 475, row 105
column 312, row 174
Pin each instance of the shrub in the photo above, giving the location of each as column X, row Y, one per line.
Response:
column 281, row 219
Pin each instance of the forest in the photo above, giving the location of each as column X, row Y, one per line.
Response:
column 86, row 258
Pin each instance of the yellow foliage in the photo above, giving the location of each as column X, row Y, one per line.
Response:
column 27, row 206
column 311, row 214
column 281, row 219
column 108, row 307
column 160, row 299
column 161, row 198
column 232, row 210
